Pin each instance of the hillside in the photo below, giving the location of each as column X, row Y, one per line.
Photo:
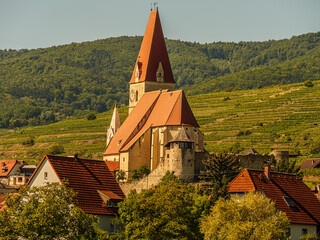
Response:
column 42, row 86
column 279, row 117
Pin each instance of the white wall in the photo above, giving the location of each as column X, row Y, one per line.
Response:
column 38, row 178
column 296, row 230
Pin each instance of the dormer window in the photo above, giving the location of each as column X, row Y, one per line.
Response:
column 160, row 73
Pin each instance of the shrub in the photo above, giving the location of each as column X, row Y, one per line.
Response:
column 28, row 142
column 243, row 133
column 56, row 149
column 314, row 148
column 91, row 116
column 308, row 83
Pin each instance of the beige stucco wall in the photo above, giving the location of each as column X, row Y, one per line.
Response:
column 38, row 178
column 296, row 230
column 114, row 158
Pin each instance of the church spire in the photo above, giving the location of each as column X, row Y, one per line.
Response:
column 114, row 125
column 153, row 63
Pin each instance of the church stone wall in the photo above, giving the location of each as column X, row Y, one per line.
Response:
column 254, row 161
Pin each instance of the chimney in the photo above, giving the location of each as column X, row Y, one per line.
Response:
column 267, row 170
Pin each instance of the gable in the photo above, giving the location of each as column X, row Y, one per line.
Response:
column 38, row 177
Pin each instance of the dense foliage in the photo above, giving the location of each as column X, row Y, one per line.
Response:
column 47, row 212
column 46, row 85
column 248, row 218
column 220, row 169
column 170, row 211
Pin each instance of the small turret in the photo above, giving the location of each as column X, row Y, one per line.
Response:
column 181, row 155
column 114, row 124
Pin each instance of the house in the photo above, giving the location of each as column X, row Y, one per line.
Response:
column 12, row 172
column 157, row 116
column 289, row 194
column 98, row 191
column 310, row 163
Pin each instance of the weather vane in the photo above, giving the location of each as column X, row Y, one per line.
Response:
column 154, row 6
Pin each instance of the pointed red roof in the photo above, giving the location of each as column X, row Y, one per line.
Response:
column 153, row 51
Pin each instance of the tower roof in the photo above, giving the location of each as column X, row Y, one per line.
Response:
column 114, row 125
column 153, row 51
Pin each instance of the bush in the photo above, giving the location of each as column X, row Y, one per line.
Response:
column 243, row 133
column 28, row 142
column 308, row 83
column 56, row 149
column 314, row 148
column 91, row 116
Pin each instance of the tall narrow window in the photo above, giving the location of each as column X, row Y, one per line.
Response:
column 160, row 73
column 136, row 95
column 45, row 175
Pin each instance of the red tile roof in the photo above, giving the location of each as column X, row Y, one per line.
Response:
column 155, row 109
column 7, row 165
column 86, row 177
column 110, row 195
column 311, row 163
column 152, row 51
column 277, row 186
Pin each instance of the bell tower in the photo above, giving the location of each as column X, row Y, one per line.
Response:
column 152, row 70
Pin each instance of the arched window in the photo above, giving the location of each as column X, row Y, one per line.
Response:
column 136, row 95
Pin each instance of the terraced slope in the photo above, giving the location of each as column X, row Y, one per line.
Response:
column 281, row 117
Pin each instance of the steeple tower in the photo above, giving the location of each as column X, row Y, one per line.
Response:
column 152, row 70
column 114, row 125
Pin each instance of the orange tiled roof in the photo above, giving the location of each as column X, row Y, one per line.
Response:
column 6, row 166
column 155, row 109
column 278, row 185
column 152, row 51
column 86, row 177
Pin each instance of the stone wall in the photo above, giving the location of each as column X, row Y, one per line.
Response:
column 254, row 161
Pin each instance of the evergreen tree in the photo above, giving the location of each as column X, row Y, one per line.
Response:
column 221, row 168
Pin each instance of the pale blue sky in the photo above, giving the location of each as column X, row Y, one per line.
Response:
column 44, row 23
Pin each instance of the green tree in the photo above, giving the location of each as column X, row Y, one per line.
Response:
column 308, row 83
column 47, row 212
column 91, row 116
column 170, row 211
column 221, row 168
column 140, row 172
column 248, row 218
column 56, row 149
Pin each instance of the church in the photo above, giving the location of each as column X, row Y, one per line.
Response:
column 160, row 130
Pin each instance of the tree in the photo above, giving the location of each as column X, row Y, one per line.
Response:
column 170, row 211
column 91, row 116
column 140, row 172
column 248, row 218
column 308, row 83
column 46, row 212
column 56, row 149
column 221, row 168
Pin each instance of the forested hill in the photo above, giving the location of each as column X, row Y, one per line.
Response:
column 46, row 85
